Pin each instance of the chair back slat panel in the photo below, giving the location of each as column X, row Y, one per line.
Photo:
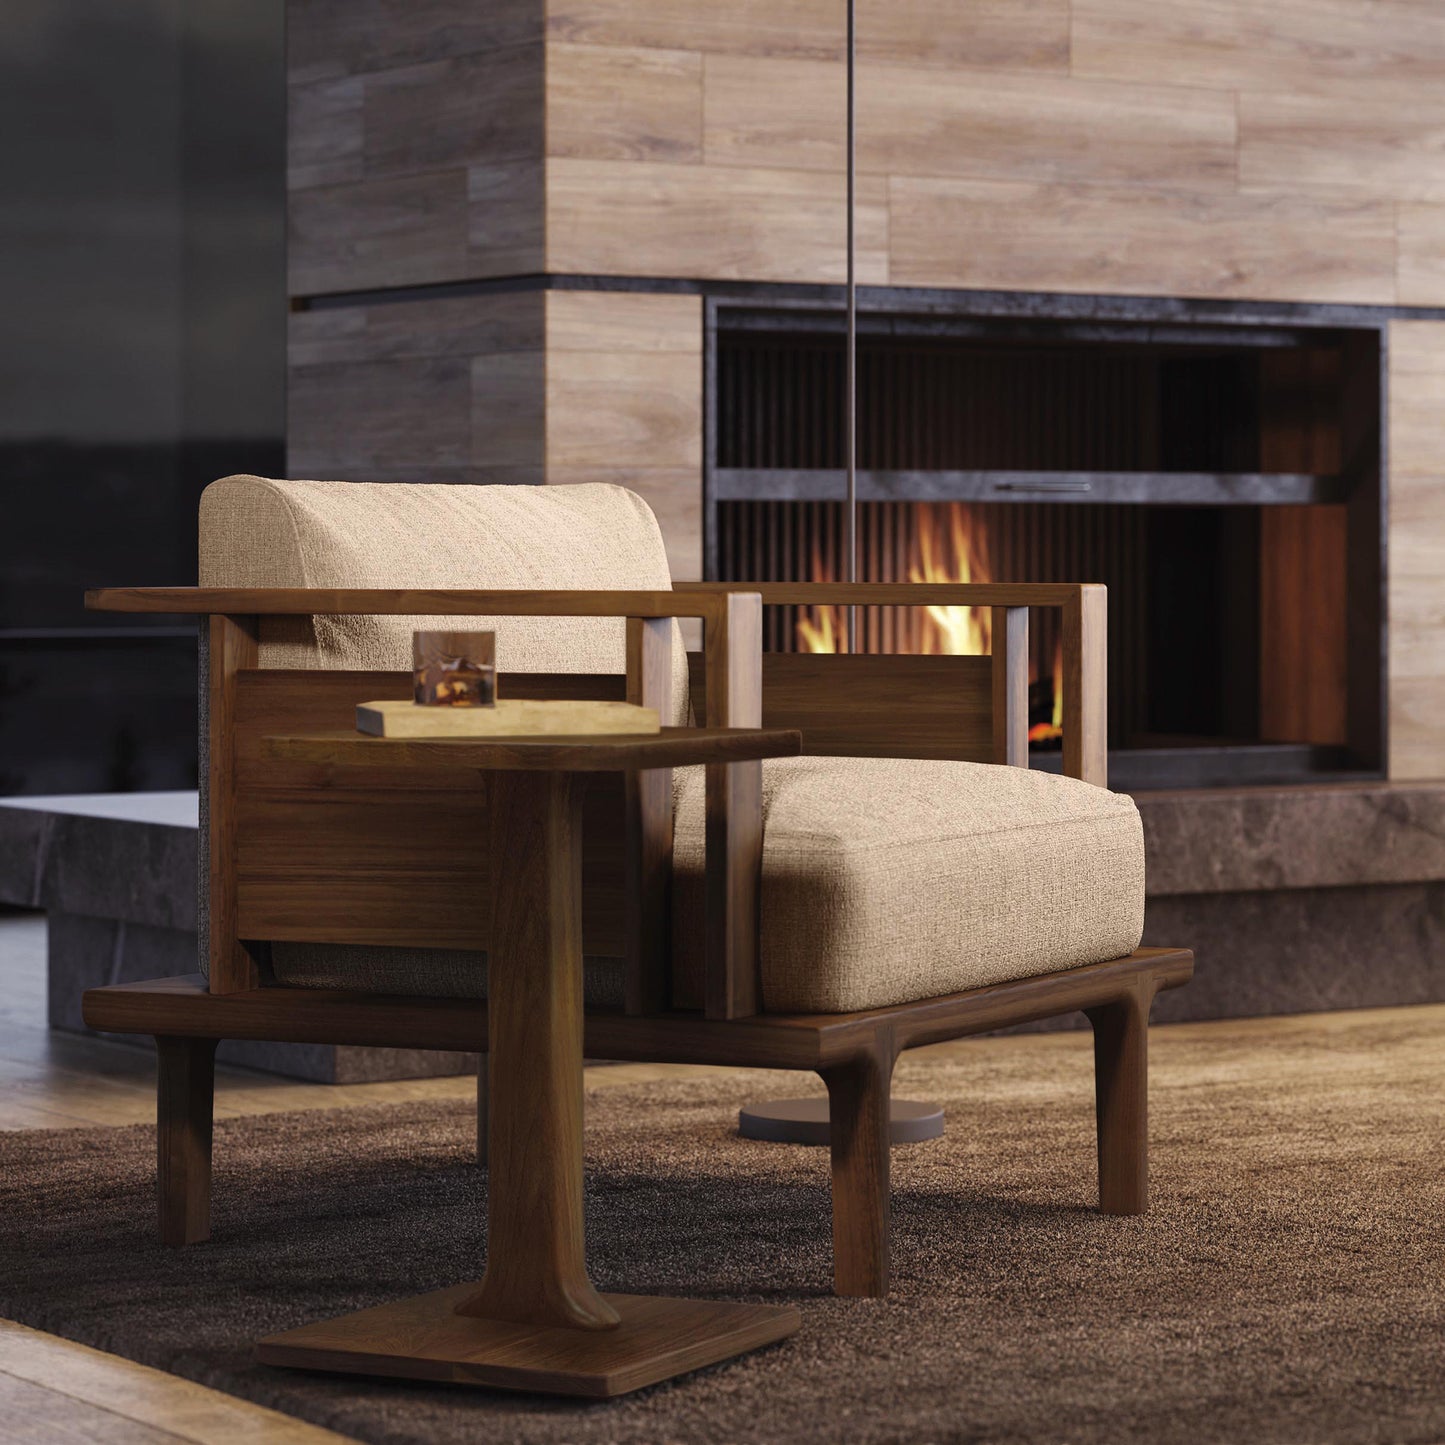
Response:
column 878, row 706
column 401, row 861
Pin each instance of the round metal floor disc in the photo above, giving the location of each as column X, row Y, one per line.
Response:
column 805, row 1121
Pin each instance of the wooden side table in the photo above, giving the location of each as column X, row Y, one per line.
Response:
column 535, row 1322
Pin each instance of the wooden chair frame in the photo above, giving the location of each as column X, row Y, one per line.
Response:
column 272, row 874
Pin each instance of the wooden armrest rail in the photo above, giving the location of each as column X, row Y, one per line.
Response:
column 376, row 601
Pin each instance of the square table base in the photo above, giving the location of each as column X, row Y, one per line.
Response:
column 423, row 1338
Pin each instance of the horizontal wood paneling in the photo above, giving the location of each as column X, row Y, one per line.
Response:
column 923, row 120
column 1011, row 34
column 620, row 103
column 328, row 38
column 650, row 219
column 440, row 390
column 454, row 112
column 1367, row 138
column 1140, row 241
column 405, row 174
column 1417, row 550
column 1275, row 46
column 345, row 419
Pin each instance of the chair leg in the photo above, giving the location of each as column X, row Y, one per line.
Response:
column 483, row 1118
column 858, row 1097
column 1121, row 1102
column 185, row 1097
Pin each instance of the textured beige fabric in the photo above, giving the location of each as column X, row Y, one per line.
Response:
column 887, row 880
column 255, row 532
column 883, row 880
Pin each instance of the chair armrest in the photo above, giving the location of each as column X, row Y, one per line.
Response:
column 732, row 643
column 375, row 601
column 1085, row 648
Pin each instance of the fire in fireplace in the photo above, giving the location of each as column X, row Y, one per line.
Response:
column 1223, row 481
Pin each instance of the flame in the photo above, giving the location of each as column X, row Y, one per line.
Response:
column 950, row 550
column 1053, row 730
column 956, row 553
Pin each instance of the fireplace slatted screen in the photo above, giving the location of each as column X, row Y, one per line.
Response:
column 1151, row 463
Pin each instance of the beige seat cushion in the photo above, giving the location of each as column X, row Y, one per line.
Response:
column 887, row 880
column 256, row 532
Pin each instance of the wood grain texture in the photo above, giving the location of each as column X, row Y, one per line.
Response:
column 1012, row 34
column 351, row 419
column 622, row 103
column 1141, row 241
column 326, row 38
column 858, row 1104
column 324, row 132
column 1283, row 46
column 648, row 884
column 693, row 601
column 425, row 1338
column 233, row 647
column 479, row 108
column 185, row 1100
column 1121, row 1099
column 94, row 1397
column 1421, row 233
column 1417, row 550
column 624, row 405
column 399, row 856
column 536, row 1250
column 507, row 718
column 1086, row 686
column 882, row 706
column 506, row 411
column 732, row 648
column 931, row 121
column 625, row 408
column 1365, row 138
column 1009, row 702
column 456, row 326
column 725, row 222
column 671, row 748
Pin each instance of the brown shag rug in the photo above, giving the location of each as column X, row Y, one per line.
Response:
column 1289, row 1284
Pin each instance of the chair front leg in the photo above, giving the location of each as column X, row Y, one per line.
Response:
column 484, row 1116
column 1121, row 1101
column 185, row 1097
column 858, row 1106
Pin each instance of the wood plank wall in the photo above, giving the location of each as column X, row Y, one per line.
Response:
column 1282, row 150
column 1417, row 549
column 1278, row 149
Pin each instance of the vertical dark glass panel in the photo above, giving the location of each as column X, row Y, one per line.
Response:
column 142, row 332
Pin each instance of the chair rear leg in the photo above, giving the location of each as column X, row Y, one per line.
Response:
column 185, row 1097
column 1121, row 1101
column 858, row 1105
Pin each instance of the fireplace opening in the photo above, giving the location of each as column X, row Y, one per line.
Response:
column 1222, row 481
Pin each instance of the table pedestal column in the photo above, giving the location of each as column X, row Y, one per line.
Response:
column 536, row 1322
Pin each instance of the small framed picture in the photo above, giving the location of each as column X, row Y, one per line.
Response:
column 454, row 669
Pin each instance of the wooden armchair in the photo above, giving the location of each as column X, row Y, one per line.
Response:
column 302, row 857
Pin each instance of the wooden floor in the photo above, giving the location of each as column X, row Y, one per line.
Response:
column 54, row 1391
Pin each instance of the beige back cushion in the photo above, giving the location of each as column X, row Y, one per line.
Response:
column 255, row 532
